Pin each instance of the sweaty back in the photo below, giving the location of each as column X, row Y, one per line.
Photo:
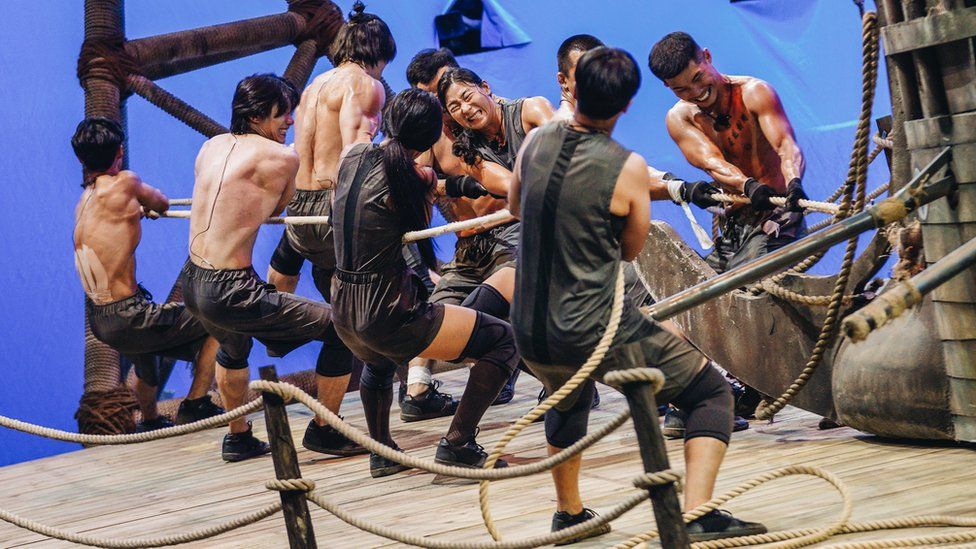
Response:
column 569, row 250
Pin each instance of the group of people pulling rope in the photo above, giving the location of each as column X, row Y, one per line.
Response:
column 549, row 211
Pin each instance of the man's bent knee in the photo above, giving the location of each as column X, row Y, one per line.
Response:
column 708, row 403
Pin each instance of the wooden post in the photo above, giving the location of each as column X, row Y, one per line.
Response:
column 667, row 509
column 293, row 503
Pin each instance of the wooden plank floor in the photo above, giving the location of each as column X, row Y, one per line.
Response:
column 181, row 484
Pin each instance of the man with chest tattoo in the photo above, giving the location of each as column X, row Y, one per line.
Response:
column 736, row 130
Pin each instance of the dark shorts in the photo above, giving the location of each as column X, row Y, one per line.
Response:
column 384, row 319
column 476, row 258
column 748, row 234
column 140, row 329
column 235, row 305
column 675, row 357
column 314, row 242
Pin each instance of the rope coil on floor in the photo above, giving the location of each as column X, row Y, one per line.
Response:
column 133, row 438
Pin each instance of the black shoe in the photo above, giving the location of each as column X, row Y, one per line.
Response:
column 429, row 405
column 674, row 424
column 467, row 454
column 739, row 424
column 401, row 392
column 827, row 423
column 161, row 422
column 241, row 446
column 326, row 440
column 596, row 398
column 508, row 391
column 721, row 524
column 379, row 466
column 562, row 520
column 197, row 409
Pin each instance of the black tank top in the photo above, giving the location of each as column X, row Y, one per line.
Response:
column 367, row 235
column 504, row 155
column 569, row 249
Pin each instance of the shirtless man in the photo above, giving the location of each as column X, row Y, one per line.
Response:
column 338, row 109
column 120, row 311
column 582, row 198
column 735, row 129
column 242, row 178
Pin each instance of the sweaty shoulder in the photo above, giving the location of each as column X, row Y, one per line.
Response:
column 757, row 94
column 681, row 113
column 536, row 111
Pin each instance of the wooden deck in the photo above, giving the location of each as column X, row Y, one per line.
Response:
column 180, row 484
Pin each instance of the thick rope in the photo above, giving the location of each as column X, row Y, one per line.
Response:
column 174, row 539
column 286, row 220
column 132, row 438
column 290, row 392
column 581, row 375
column 808, row 205
column 857, row 177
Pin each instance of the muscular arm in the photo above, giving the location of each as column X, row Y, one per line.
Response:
column 281, row 177
column 700, row 151
column 359, row 115
column 630, row 200
column 149, row 197
column 657, row 186
column 764, row 103
column 536, row 111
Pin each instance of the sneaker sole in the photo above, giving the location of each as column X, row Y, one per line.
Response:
column 673, row 433
column 500, row 464
column 387, row 471
column 333, row 451
column 234, row 458
column 409, row 418
column 710, row 536
column 605, row 529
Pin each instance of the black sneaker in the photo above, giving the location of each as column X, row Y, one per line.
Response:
column 508, row 391
column 720, row 524
column 196, row 409
column 467, row 454
column 379, row 466
column 674, row 424
column 160, row 422
column 241, row 446
column 429, row 405
column 562, row 520
column 326, row 440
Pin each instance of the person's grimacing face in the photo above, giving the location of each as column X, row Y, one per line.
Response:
column 469, row 105
column 699, row 83
column 274, row 127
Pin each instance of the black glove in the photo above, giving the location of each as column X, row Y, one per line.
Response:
column 794, row 194
column 699, row 193
column 759, row 195
column 457, row 186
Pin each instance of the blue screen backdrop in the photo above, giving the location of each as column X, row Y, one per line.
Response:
column 809, row 50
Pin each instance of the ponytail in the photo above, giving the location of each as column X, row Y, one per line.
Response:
column 414, row 124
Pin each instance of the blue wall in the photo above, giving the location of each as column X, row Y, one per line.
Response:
column 808, row 50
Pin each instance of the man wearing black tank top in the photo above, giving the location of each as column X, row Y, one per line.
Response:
column 583, row 200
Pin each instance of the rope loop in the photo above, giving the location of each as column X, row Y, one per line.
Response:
column 106, row 59
column 322, row 22
column 290, row 484
column 653, row 376
column 658, row 478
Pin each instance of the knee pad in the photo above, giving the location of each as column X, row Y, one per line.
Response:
column 492, row 341
column 232, row 360
column 565, row 427
column 335, row 359
column 377, row 377
column 707, row 401
column 488, row 300
column 285, row 259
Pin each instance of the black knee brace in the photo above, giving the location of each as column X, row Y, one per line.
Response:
column 377, row 377
column 492, row 341
column 285, row 259
column 565, row 428
column 335, row 359
column 707, row 402
column 488, row 300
